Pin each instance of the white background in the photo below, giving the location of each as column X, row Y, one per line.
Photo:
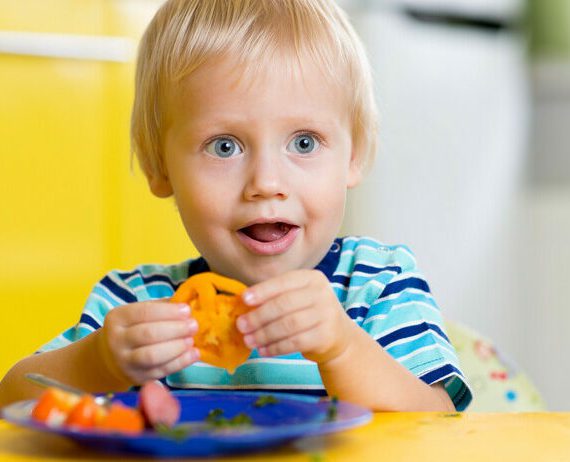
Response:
column 465, row 176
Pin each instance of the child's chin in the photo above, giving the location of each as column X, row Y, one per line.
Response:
column 268, row 268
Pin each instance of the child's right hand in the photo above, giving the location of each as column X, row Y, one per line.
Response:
column 148, row 340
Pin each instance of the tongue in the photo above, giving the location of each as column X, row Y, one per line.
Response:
column 267, row 232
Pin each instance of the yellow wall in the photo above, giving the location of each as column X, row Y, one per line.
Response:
column 70, row 207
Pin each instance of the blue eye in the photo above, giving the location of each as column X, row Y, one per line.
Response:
column 303, row 144
column 223, row 147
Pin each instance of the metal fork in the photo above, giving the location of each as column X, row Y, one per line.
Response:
column 44, row 381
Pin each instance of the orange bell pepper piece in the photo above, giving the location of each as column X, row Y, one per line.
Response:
column 218, row 339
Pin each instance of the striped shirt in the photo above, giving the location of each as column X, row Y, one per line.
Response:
column 379, row 287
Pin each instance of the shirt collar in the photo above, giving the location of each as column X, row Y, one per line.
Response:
column 330, row 261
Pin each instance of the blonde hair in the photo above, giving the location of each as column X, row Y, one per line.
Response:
column 186, row 33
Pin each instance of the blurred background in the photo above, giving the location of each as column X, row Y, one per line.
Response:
column 473, row 168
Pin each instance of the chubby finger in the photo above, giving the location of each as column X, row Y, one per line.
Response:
column 154, row 311
column 270, row 288
column 149, row 333
column 284, row 304
column 302, row 342
column 180, row 362
column 285, row 327
column 150, row 356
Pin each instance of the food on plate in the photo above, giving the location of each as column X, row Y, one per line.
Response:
column 53, row 406
column 265, row 400
column 157, row 410
column 85, row 414
column 216, row 419
column 122, row 419
column 58, row 408
column 216, row 304
column 332, row 410
column 158, row 405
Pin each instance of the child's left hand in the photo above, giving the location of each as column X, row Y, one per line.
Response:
column 296, row 311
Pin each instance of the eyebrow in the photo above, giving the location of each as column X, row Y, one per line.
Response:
column 315, row 122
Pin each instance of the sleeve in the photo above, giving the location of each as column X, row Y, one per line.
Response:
column 108, row 293
column 406, row 321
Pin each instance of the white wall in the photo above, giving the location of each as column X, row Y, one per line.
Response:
column 545, row 259
column 451, row 181
column 545, row 236
column 452, row 145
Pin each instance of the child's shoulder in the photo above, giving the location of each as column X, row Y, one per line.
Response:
column 370, row 251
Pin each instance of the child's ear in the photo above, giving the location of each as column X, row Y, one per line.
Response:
column 354, row 172
column 159, row 185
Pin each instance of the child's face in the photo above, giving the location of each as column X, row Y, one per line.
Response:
column 259, row 167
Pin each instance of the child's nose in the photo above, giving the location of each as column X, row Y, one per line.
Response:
column 266, row 178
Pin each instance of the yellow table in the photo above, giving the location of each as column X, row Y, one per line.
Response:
column 537, row 437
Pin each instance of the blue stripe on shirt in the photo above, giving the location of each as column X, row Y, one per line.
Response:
column 117, row 290
column 410, row 331
column 437, row 374
column 89, row 320
column 365, row 272
column 357, row 312
column 367, row 269
column 408, row 283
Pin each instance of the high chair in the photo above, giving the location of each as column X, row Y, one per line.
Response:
column 497, row 384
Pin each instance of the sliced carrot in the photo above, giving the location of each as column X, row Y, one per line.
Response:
column 57, row 407
column 85, row 414
column 53, row 404
column 122, row 419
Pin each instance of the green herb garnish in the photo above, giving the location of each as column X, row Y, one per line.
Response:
column 176, row 432
column 216, row 419
column 264, row 400
column 214, row 415
column 332, row 410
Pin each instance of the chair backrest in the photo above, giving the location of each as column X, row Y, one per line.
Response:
column 497, row 384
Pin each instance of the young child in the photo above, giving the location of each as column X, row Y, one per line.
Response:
column 257, row 116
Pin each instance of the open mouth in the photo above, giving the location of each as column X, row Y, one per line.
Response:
column 267, row 232
column 268, row 238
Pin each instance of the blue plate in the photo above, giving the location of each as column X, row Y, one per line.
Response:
column 291, row 417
